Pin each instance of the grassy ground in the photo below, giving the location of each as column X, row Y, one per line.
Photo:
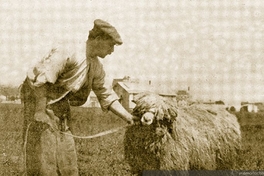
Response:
column 105, row 155
column 252, row 153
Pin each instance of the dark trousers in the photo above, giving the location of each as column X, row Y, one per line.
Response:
column 48, row 152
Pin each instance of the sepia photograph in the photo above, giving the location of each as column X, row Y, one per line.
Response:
column 129, row 88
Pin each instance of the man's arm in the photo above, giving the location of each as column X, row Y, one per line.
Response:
column 42, row 114
column 120, row 111
column 107, row 97
column 41, row 102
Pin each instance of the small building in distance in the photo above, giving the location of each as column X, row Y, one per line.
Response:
column 92, row 101
column 127, row 88
column 260, row 106
column 183, row 97
column 248, row 107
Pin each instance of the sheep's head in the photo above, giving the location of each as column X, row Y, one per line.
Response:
column 154, row 109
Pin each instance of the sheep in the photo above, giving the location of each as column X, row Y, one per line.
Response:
column 196, row 137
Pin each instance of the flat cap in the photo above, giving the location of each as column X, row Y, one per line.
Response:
column 108, row 29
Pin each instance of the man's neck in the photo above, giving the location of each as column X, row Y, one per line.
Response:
column 90, row 51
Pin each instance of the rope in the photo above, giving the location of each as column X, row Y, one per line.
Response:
column 25, row 150
column 75, row 136
column 98, row 134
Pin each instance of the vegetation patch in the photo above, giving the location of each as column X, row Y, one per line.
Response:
column 105, row 155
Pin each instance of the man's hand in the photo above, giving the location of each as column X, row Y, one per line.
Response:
column 48, row 118
column 41, row 116
column 119, row 110
column 133, row 120
column 136, row 120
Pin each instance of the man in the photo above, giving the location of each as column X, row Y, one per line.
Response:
column 60, row 80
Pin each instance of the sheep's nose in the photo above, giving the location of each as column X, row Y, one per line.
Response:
column 147, row 118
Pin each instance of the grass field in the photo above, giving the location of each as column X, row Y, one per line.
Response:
column 105, row 155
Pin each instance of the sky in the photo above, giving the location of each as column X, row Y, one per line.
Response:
column 213, row 47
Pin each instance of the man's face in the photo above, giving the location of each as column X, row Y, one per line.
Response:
column 105, row 47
